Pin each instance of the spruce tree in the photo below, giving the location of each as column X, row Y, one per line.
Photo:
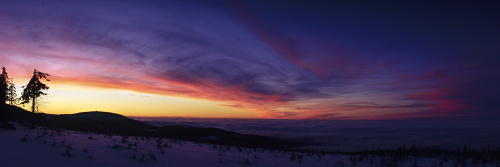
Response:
column 34, row 89
column 4, row 86
column 11, row 93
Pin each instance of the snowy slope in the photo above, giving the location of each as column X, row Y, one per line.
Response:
column 47, row 148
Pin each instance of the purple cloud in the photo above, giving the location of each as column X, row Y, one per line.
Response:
column 295, row 60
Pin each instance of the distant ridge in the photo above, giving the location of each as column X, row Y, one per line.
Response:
column 116, row 124
column 98, row 122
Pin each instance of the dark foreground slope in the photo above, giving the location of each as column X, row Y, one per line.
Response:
column 115, row 124
column 14, row 113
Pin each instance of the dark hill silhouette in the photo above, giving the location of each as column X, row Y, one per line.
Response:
column 98, row 122
column 14, row 114
column 116, row 124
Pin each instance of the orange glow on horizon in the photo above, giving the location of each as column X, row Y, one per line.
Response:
column 67, row 100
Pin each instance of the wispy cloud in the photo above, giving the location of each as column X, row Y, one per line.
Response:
column 311, row 66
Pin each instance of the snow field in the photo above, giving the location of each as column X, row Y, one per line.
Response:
column 48, row 148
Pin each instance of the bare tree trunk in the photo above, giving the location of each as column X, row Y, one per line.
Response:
column 33, row 108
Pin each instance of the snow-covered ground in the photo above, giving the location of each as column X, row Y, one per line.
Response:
column 47, row 148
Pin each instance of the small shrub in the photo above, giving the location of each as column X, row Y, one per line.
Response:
column 300, row 157
column 54, row 143
column 143, row 158
column 415, row 163
column 68, row 153
column 372, row 158
column 353, row 160
column 91, row 156
column 158, row 142
column 116, row 146
column 129, row 147
column 24, row 138
column 152, row 156
column 293, row 157
column 340, row 163
column 124, row 139
column 246, row 161
column 63, row 141
column 69, row 147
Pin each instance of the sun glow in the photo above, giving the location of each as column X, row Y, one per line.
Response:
column 65, row 99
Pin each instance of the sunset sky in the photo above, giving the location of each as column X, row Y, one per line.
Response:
column 258, row 58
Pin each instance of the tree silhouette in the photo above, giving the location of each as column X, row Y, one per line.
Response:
column 34, row 89
column 11, row 93
column 4, row 86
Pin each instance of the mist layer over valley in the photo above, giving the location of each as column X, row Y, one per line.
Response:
column 353, row 135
